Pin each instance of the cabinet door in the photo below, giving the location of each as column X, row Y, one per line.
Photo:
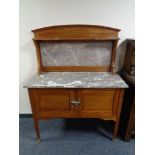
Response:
column 98, row 102
column 53, row 102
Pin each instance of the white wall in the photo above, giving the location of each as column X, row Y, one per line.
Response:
column 39, row 13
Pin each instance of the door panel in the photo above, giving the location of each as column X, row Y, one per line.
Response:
column 53, row 100
column 98, row 101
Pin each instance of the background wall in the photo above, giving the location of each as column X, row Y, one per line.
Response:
column 40, row 13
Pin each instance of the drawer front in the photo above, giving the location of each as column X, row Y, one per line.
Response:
column 101, row 102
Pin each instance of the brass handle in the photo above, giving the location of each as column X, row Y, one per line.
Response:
column 75, row 104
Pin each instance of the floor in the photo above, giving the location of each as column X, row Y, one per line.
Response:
column 72, row 137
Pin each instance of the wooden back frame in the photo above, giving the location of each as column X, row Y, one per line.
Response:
column 76, row 33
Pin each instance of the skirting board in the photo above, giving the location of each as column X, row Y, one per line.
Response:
column 25, row 115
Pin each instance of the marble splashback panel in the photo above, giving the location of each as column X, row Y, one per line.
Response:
column 76, row 54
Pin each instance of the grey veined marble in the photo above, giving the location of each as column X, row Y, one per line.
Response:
column 76, row 80
column 76, row 54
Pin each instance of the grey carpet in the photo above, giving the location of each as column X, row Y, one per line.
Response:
column 72, row 137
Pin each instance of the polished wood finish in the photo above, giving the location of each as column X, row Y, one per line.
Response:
column 76, row 33
column 49, row 103
column 54, row 101
column 104, row 99
column 76, row 68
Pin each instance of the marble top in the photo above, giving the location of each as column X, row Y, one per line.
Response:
column 76, row 80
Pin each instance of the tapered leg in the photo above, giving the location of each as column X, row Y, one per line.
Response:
column 115, row 129
column 36, row 126
column 35, row 119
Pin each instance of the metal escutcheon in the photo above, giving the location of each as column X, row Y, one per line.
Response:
column 75, row 104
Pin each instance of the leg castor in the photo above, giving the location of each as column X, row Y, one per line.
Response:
column 113, row 139
column 38, row 140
